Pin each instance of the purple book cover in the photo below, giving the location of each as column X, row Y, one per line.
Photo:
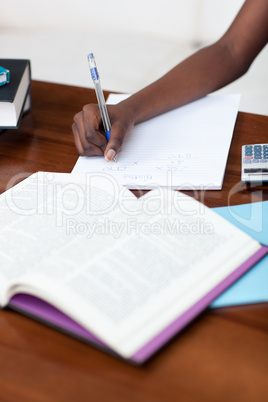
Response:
column 45, row 312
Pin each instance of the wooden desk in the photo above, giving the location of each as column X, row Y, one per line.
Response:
column 221, row 356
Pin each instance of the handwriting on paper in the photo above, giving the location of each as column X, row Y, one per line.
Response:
column 174, row 162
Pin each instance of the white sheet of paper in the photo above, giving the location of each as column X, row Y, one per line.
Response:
column 186, row 148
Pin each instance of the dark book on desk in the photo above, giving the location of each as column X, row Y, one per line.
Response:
column 84, row 255
column 15, row 95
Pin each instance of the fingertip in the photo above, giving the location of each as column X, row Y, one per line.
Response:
column 110, row 155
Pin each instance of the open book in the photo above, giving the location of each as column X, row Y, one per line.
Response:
column 85, row 255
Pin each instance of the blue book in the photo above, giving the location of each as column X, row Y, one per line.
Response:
column 252, row 287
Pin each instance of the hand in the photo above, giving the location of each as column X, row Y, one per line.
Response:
column 89, row 135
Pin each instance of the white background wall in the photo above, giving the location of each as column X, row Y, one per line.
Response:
column 134, row 42
column 165, row 18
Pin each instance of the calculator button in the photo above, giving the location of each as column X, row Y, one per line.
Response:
column 263, row 160
column 247, row 161
column 257, row 147
column 255, row 161
column 248, row 157
column 257, row 156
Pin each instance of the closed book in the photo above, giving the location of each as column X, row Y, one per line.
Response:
column 15, row 94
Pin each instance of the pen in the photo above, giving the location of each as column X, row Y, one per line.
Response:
column 101, row 101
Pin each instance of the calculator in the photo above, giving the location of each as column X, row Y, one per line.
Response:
column 254, row 163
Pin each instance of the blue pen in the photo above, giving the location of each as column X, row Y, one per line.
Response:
column 101, row 101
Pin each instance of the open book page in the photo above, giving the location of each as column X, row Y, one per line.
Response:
column 186, row 148
column 126, row 272
column 44, row 213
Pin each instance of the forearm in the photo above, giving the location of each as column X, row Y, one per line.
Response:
column 204, row 72
column 210, row 68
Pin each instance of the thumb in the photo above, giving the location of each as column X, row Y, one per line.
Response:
column 109, row 154
column 113, row 146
